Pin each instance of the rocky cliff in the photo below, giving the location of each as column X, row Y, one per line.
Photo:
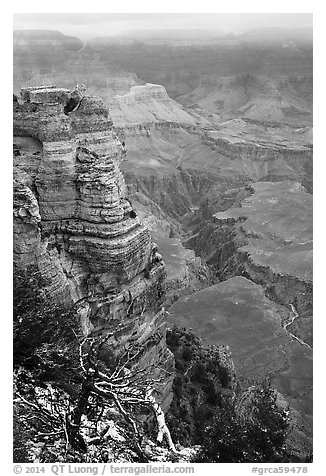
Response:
column 72, row 219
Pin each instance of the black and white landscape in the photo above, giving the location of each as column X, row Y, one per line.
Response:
column 163, row 238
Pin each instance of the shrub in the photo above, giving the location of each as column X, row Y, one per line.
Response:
column 43, row 332
column 259, row 436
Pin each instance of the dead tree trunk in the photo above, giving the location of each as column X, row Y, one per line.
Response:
column 124, row 386
column 75, row 439
column 163, row 430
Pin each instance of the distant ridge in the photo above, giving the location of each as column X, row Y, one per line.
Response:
column 31, row 35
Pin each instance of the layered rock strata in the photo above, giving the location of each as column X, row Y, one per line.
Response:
column 263, row 153
column 72, row 219
column 149, row 104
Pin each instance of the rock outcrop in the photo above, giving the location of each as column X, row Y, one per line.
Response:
column 73, row 220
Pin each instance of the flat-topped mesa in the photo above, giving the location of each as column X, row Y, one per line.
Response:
column 73, row 220
column 147, row 105
column 141, row 93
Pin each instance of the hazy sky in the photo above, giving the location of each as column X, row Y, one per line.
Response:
column 100, row 24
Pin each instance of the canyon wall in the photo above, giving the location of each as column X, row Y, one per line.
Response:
column 73, row 220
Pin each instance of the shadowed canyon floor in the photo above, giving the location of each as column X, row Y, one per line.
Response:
column 267, row 237
column 237, row 313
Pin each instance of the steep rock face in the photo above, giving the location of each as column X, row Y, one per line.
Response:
column 72, row 218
